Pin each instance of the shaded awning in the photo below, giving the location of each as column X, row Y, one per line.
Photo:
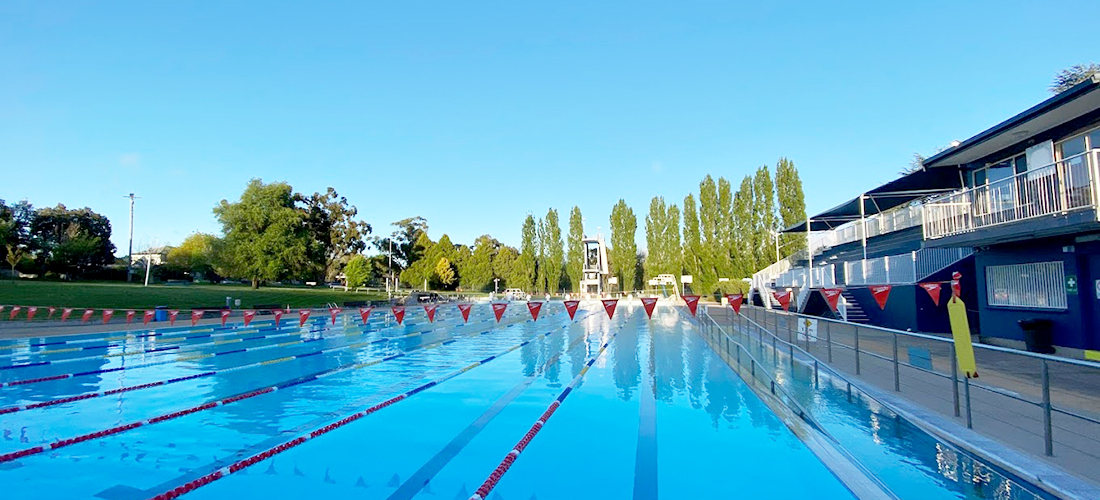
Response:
column 895, row 193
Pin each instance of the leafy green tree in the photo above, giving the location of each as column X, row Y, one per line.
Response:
column 402, row 242
column 72, row 242
column 196, row 255
column 357, row 271
column 624, row 250
column 419, row 272
column 575, row 256
column 1073, row 75
column 506, row 267
column 553, row 252
column 764, row 217
column 15, row 224
column 477, row 273
column 15, row 254
column 708, row 230
column 445, row 273
column 792, row 204
column 692, row 241
column 674, row 256
column 525, row 268
column 725, row 248
column 744, row 232
column 264, row 235
column 655, row 237
column 335, row 234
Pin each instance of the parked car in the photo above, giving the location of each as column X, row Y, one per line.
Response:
column 515, row 294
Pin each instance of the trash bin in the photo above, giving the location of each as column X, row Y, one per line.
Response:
column 1038, row 335
column 161, row 313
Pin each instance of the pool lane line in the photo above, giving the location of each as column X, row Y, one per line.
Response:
column 192, row 357
column 412, row 486
column 160, row 383
column 7, row 457
column 270, row 452
column 645, row 456
column 141, row 333
column 509, row 459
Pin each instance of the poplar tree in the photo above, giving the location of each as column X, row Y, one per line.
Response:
column 674, row 256
column 624, row 250
column 656, row 238
column 792, row 204
column 523, row 276
column 692, row 243
column 744, row 257
column 725, row 248
column 550, row 270
column 575, row 259
column 477, row 274
column 764, row 215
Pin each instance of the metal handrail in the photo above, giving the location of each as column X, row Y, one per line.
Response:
column 1046, row 405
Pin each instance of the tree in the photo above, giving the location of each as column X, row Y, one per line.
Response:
column 792, row 204
column 477, row 272
column 196, row 255
column 357, row 271
column 1073, row 75
column 15, row 224
column 725, row 249
column 71, row 242
column 575, row 256
column 335, row 234
column 916, row 164
column 505, row 267
column 553, row 252
column 444, row 272
column 764, row 217
column 419, row 272
column 744, row 233
column 708, row 231
column 14, row 257
column 674, row 256
column 403, row 242
column 692, row 243
column 624, row 250
column 264, row 235
column 524, row 273
column 655, row 237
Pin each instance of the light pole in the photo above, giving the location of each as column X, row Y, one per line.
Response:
column 496, row 285
column 130, row 252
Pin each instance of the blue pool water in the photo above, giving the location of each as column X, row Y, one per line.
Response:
column 658, row 415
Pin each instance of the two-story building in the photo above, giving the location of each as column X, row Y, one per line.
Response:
column 1013, row 208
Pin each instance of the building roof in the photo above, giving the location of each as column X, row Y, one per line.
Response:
column 1063, row 107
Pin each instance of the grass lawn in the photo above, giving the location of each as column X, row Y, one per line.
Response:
column 135, row 296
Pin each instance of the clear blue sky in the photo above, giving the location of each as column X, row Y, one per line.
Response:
column 473, row 114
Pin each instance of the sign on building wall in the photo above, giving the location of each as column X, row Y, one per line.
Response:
column 807, row 328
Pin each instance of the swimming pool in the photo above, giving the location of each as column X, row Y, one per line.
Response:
column 657, row 414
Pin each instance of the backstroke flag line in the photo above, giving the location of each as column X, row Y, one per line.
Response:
column 832, row 296
column 398, row 313
column 735, row 302
column 498, row 309
column 649, row 303
column 609, row 306
column 465, row 310
column 534, row 307
column 571, row 307
column 692, row 302
column 429, row 309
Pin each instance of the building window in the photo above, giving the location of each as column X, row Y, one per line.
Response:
column 1036, row 285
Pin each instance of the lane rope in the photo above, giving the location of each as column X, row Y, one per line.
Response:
column 259, row 457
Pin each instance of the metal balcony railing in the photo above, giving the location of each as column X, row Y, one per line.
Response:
column 901, row 269
column 1060, row 187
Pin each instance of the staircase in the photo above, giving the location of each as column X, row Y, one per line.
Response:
column 855, row 313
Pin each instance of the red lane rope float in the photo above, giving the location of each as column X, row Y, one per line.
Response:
column 32, row 406
column 232, row 399
column 264, row 455
column 191, row 358
column 509, row 459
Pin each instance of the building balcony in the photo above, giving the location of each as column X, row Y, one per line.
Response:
column 1058, row 198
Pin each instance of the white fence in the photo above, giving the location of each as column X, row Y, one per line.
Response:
column 903, row 268
column 1060, row 187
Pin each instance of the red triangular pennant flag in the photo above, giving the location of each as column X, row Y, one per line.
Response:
column 65, row 313
column 956, row 286
column 692, row 302
column 303, row 315
column 881, row 293
column 649, row 303
column 196, row 315
column 498, row 309
column 51, row 310
column 2, row 308
column 87, row 315
column 278, row 313
column 399, row 313
column 571, row 307
column 465, row 310
column 147, row 316
column 364, row 312
column 172, row 317
column 333, row 312
column 15, row 312
column 107, row 313
column 31, row 311
column 784, row 299
column 225, row 315
column 832, row 296
column 534, row 307
column 248, row 316
column 933, row 290
column 130, row 316
column 609, row 306
column 429, row 309
column 735, row 300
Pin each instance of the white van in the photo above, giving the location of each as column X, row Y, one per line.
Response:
column 515, row 294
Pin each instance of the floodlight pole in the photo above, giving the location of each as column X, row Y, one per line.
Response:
column 130, row 251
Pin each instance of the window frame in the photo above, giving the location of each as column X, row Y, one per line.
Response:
column 1026, row 278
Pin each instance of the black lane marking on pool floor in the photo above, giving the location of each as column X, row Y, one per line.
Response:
column 645, row 459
